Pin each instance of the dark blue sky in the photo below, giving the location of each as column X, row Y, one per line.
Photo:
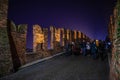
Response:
column 89, row 16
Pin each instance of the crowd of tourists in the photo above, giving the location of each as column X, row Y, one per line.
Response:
column 88, row 48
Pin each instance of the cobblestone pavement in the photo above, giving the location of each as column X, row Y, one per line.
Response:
column 64, row 68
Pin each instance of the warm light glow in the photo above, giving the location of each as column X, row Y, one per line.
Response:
column 97, row 42
column 75, row 34
column 39, row 38
column 67, row 34
column 51, row 28
column 63, row 36
column 79, row 34
column 83, row 36
column 57, row 35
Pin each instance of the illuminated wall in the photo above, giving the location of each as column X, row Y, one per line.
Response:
column 68, row 34
column 57, row 34
column 75, row 34
column 52, row 30
column 38, row 36
column 79, row 34
column 57, row 37
column 83, row 36
column 63, row 36
column 97, row 43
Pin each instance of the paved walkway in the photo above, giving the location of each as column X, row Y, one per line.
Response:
column 64, row 68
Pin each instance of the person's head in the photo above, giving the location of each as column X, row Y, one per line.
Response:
column 73, row 43
column 88, row 42
column 83, row 40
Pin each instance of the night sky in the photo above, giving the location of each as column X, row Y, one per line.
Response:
column 88, row 16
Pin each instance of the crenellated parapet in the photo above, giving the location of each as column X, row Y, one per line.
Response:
column 63, row 36
column 57, row 34
column 45, row 43
column 79, row 34
column 39, row 38
column 52, row 41
column 21, row 42
column 68, row 34
column 75, row 35
column 17, row 38
column 55, row 37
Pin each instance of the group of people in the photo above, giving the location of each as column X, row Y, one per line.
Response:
column 88, row 48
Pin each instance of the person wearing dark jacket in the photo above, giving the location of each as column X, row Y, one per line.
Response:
column 93, row 50
column 101, row 50
column 88, row 48
column 83, row 48
column 68, row 49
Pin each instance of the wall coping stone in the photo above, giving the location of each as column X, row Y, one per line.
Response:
column 40, row 60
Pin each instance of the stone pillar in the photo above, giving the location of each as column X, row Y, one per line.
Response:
column 68, row 37
column 13, row 37
column 57, row 39
column 5, row 54
column 79, row 34
column 82, row 36
column 38, row 38
column 57, row 34
column 85, row 36
column 63, row 36
column 17, row 37
column 75, row 35
column 52, row 29
column 70, row 34
column 45, row 44
column 21, row 42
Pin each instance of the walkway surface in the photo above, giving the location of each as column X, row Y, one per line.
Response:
column 64, row 68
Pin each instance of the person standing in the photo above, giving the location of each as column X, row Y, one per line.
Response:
column 93, row 50
column 88, row 48
column 83, row 48
column 101, row 50
column 68, row 49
